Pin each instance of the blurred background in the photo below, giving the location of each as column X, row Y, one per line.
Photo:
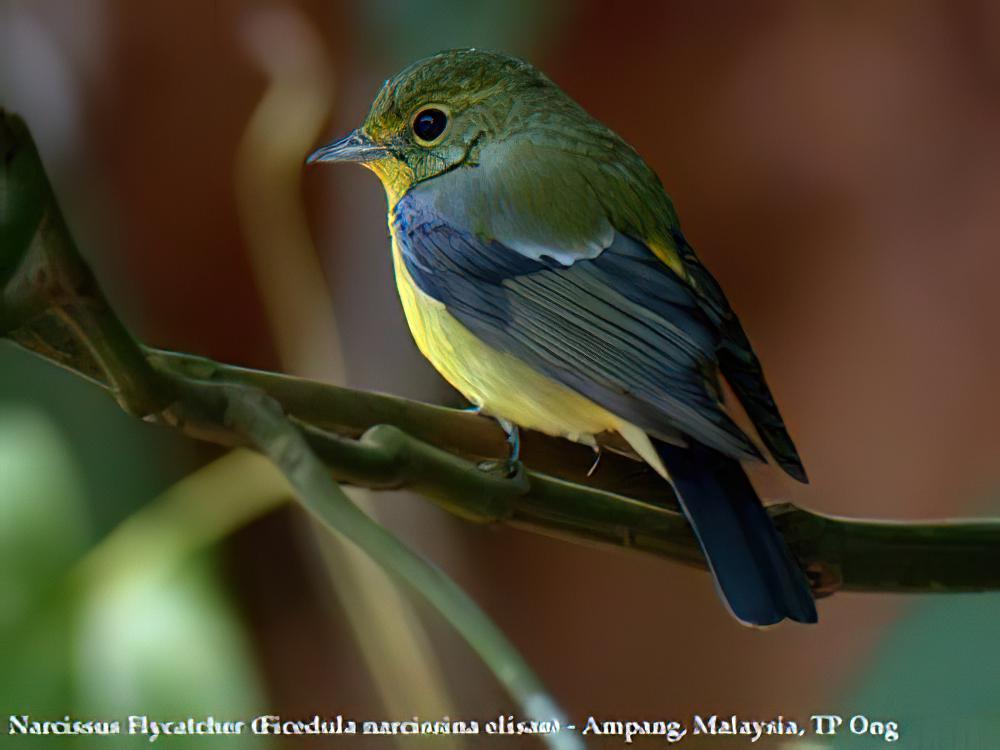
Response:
column 837, row 166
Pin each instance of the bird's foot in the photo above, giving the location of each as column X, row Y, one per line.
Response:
column 511, row 466
column 507, row 469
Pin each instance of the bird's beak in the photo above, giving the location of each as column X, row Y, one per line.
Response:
column 356, row 147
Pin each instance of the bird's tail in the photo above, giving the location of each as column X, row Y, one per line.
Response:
column 755, row 572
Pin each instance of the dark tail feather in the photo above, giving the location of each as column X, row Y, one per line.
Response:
column 756, row 574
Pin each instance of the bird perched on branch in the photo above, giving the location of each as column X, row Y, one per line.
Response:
column 543, row 272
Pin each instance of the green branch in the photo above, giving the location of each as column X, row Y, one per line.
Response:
column 260, row 419
column 50, row 305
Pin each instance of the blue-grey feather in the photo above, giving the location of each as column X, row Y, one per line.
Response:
column 619, row 328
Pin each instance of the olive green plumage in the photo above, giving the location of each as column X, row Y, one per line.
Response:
column 543, row 271
column 570, row 174
column 494, row 98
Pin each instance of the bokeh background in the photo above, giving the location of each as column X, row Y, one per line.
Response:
column 837, row 166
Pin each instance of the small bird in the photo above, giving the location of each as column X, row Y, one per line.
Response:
column 543, row 272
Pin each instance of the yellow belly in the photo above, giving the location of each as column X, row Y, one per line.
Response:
column 499, row 383
column 502, row 385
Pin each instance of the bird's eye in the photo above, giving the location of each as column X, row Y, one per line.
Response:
column 429, row 124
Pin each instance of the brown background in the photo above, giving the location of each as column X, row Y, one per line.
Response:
column 837, row 166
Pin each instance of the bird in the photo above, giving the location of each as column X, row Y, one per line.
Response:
column 543, row 272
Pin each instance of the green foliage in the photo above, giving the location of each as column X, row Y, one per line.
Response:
column 146, row 637
column 167, row 644
column 43, row 529
column 937, row 675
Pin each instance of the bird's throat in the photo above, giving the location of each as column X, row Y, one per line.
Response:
column 396, row 178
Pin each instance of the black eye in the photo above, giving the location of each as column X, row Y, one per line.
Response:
column 429, row 124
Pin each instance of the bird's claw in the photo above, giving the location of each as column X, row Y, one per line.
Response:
column 510, row 467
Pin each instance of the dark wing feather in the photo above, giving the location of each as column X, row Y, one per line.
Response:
column 740, row 366
column 619, row 328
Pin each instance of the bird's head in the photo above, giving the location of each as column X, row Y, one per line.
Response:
column 439, row 113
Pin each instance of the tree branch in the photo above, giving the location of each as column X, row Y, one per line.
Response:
column 51, row 305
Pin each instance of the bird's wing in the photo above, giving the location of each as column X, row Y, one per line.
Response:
column 630, row 199
column 739, row 365
column 599, row 313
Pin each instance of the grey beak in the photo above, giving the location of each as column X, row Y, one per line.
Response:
column 356, row 147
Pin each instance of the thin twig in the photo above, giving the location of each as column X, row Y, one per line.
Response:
column 259, row 418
